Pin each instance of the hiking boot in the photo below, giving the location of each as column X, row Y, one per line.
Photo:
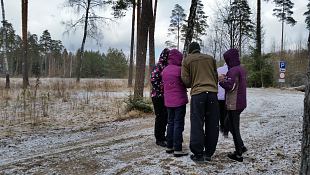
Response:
column 161, row 143
column 197, row 158
column 180, row 153
column 244, row 149
column 235, row 156
column 169, row 150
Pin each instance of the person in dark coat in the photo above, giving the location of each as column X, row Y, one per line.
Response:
column 157, row 95
column 175, row 94
column 234, row 83
column 199, row 73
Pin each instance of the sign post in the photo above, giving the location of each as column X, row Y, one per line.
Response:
column 282, row 70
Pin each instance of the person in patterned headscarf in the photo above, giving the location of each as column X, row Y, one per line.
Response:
column 157, row 94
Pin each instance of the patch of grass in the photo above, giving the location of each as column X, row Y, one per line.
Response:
column 142, row 105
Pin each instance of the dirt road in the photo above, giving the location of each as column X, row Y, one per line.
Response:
column 270, row 126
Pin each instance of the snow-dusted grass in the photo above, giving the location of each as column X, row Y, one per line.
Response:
column 270, row 126
column 60, row 104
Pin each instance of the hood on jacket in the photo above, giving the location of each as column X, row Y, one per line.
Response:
column 163, row 58
column 231, row 58
column 175, row 57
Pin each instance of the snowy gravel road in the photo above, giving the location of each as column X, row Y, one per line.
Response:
column 270, row 126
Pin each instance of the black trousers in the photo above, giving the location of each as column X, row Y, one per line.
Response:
column 234, row 128
column 223, row 115
column 204, row 123
column 161, row 118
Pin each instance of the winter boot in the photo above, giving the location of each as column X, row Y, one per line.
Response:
column 180, row 153
column 161, row 143
column 197, row 158
column 169, row 150
column 235, row 156
column 244, row 149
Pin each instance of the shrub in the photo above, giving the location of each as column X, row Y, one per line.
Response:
column 143, row 105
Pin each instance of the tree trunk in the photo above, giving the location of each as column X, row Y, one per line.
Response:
column 152, row 41
column 71, row 59
column 305, row 146
column 240, row 37
column 25, row 42
column 63, row 66
column 142, row 48
column 282, row 32
column 259, row 40
column 130, row 75
column 190, row 26
column 79, row 67
column 258, row 30
column 4, row 36
column 178, row 46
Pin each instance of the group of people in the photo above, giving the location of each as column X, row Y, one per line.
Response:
column 216, row 95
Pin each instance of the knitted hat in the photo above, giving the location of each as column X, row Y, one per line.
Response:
column 193, row 48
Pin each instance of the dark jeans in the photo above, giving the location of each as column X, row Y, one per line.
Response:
column 234, row 128
column 204, row 112
column 175, row 127
column 161, row 118
column 223, row 115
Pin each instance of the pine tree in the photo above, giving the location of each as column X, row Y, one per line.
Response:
column 305, row 146
column 25, row 42
column 284, row 13
column 45, row 46
column 238, row 22
column 190, row 26
column 244, row 22
column 177, row 20
column 231, row 20
column 200, row 24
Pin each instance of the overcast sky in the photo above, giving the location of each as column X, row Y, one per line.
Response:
column 49, row 14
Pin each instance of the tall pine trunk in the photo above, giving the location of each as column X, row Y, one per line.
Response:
column 4, row 36
column 190, row 26
column 305, row 146
column 79, row 67
column 259, row 40
column 25, row 42
column 152, row 40
column 282, row 38
column 130, row 74
column 258, row 29
column 142, row 48
column 282, row 33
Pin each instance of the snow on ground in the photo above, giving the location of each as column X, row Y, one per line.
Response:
column 270, row 126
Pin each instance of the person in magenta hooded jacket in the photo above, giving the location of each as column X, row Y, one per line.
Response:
column 234, row 83
column 175, row 96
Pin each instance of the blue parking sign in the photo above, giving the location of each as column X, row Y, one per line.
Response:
column 282, row 65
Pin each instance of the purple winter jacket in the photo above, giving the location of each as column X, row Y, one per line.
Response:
column 235, row 82
column 175, row 92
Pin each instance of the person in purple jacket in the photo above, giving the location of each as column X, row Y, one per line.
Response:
column 175, row 96
column 234, row 84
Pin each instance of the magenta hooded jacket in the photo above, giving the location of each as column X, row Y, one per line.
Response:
column 175, row 92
